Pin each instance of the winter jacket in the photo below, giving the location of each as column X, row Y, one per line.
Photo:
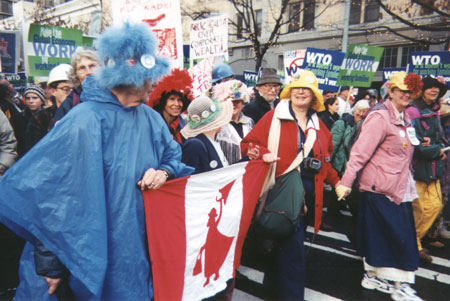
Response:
column 328, row 119
column 8, row 144
column 199, row 153
column 38, row 124
column 341, row 131
column 257, row 107
column 382, row 154
column 288, row 149
column 427, row 164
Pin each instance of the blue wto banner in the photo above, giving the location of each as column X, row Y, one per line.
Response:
column 8, row 51
column 326, row 65
column 426, row 63
column 387, row 72
column 250, row 78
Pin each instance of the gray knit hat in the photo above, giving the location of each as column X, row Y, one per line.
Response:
column 36, row 90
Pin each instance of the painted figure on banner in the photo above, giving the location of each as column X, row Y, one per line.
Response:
column 217, row 245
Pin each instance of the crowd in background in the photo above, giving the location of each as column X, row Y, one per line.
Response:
column 382, row 153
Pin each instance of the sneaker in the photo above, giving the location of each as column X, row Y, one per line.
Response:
column 374, row 282
column 444, row 231
column 405, row 293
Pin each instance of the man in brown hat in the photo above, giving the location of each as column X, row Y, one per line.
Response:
column 266, row 95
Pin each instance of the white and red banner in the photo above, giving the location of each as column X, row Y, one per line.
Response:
column 164, row 19
column 196, row 228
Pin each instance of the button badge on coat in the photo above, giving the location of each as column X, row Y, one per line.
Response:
column 213, row 164
column 412, row 136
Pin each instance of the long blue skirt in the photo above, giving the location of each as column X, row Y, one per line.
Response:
column 386, row 233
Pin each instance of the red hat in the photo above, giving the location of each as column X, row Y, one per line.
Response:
column 178, row 81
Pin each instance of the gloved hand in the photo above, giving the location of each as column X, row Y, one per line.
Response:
column 342, row 191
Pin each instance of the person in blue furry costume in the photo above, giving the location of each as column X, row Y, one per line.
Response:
column 76, row 196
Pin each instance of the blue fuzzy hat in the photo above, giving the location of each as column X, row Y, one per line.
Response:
column 127, row 56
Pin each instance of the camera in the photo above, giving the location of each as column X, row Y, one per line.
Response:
column 311, row 164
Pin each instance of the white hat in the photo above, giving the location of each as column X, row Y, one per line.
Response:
column 59, row 73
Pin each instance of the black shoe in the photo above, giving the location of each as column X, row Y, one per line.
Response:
column 326, row 227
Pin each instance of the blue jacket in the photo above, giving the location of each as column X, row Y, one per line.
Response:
column 75, row 191
column 199, row 153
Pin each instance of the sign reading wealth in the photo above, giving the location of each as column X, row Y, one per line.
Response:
column 426, row 63
column 164, row 19
column 359, row 65
column 48, row 46
column 293, row 62
column 325, row 64
column 209, row 37
column 9, row 51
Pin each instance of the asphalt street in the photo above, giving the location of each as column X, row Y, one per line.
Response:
column 334, row 271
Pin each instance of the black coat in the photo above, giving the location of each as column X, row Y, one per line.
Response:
column 199, row 153
column 257, row 108
column 328, row 119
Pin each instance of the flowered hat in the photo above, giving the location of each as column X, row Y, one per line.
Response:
column 403, row 81
column 177, row 82
column 307, row 79
column 127, row 57
column 231, row 90
column 205, row 114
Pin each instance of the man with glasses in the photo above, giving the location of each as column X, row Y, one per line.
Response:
column 60, row 86
column 266, row 95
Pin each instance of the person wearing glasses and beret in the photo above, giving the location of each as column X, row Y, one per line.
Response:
column 266, row 95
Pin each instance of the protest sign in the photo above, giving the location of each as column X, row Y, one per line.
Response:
column 426, row 63
column 387, row 72
column 250, row 78
column 48, row 46
column 18, row 80
column 359, row 65
column 9, row 51
column 164, row 19
column 209, row 37
column 201, row 74
column 325, row 64
column 293, row 62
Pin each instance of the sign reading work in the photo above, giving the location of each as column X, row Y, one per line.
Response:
column 48, row 46
column 209, row 37
column 426, row 63
column 293, row 62
column 325, row 64
column 359, row 65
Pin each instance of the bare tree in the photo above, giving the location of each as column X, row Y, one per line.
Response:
column 246, row 28
column 406, row 14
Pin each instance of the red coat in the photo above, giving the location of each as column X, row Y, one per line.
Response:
column 288, row 150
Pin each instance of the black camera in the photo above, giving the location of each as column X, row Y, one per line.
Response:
column 311, row 164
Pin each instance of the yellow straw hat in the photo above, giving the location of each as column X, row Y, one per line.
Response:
column 397, row 80
column 308, row 80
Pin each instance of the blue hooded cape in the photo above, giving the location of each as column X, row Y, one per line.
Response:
column 75, row 191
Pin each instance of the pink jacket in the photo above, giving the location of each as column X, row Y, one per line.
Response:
column 382, row 154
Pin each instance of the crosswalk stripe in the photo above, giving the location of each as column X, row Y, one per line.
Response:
column 334, row 235
column 312, row 295
column 421, row 272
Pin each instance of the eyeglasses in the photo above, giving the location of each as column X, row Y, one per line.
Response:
column 65, row 89
column 404, row 91
column 271, row 86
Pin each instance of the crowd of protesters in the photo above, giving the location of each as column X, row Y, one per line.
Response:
column 383, row 155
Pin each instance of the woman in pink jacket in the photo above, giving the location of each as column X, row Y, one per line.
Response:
column 381, row 160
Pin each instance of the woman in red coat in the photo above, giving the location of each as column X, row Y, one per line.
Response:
column 297, row 116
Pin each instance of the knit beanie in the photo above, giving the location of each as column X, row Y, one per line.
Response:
column 36, row 90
